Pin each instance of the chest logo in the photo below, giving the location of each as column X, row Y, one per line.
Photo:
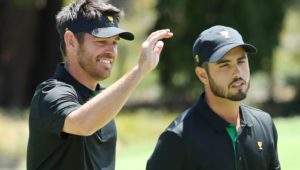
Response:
column 260, row 145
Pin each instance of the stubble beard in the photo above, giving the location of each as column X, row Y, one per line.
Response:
column 86, row 62
column 221, row 92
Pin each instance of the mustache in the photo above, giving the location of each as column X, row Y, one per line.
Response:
column 237, row 79
column 106, row 55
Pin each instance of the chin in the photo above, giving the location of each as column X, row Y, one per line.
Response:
column 100, row 77
column 238, row 97
column 103, row 77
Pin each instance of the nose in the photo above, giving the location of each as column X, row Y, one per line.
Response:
column 111, row 49
column 237, row 71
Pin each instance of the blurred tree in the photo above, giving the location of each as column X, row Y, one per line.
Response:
column 19, row 21
column 28, row 48
column 119, row 3
column 258, row 21
column 48, row 53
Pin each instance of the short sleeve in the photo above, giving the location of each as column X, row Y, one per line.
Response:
column 168, row 153
column 55, row 102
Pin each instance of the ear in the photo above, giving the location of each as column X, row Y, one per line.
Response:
column 70, row 40
column 202, row 75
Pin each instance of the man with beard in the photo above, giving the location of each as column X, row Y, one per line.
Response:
column 71, row 122
column 218, row 131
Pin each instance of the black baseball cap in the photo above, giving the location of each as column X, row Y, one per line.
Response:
column 103, row 27
column 213, row 43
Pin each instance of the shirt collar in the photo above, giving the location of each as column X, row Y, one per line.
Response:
column 245, row 118
column 63, row 75
column 218, row 123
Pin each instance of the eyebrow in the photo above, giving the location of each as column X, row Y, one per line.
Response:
column 101, row 39
column 221, row 61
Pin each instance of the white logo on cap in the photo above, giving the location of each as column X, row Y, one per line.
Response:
column 225, row 34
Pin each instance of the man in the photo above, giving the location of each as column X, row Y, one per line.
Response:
column 71, row 126
column 218, row 132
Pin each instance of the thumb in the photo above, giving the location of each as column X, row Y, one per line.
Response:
column 158, row 47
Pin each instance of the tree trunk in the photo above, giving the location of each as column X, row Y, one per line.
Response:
column 17, row 52
column 48, row 54
column 29, row 48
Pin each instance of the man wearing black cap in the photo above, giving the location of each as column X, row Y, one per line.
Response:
column 71, row 122
column 218, row 132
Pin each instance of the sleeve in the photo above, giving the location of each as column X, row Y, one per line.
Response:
column 275, row 164
column 54, row 105
column 168, row 153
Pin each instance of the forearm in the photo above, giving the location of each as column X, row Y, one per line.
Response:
column 101, row 109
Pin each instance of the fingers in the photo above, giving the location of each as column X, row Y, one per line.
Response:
column 159, row 34
column 159, row 44
column 158, row 47
column 154, row 37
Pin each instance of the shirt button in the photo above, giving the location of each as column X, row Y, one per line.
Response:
column 237, row 141
column 240, row 158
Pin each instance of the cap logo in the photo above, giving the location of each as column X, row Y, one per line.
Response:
column 197, row 58
column 111, row 19
column 225, row 34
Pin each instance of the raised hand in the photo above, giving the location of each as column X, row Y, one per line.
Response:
column 151, row 49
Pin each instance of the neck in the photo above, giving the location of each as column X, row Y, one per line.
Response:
column 81, row 76
column 226, row 109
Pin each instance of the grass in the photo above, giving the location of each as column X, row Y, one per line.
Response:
column 137, row 136
column 288, row 142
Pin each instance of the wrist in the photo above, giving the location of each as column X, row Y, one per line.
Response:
column 140, row 70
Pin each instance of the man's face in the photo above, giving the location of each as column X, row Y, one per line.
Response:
column 97, row 55
column 229, row 77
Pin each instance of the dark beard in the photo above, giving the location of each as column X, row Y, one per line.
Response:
column 218, row 91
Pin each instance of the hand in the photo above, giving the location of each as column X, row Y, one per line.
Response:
column 151, row 49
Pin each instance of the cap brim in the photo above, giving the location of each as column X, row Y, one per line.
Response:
column 225, row 49
column 112, row 31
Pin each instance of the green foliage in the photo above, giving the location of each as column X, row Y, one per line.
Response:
column 65, row 2
column 258, row 21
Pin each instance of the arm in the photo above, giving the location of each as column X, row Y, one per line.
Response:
column 168, row 153
column 101, row 109
column 275, row 164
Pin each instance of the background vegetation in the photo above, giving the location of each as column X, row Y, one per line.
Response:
column 29, row 52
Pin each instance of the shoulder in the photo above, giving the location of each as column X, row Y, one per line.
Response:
column 176, row 126
column 52, row 90
column 255, row 112
column 55, row 87
column 256, row 116
column 53, row 84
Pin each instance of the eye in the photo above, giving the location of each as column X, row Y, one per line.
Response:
column 223, row 65
column 115, row 42
column 241, row 61
column 99, row 42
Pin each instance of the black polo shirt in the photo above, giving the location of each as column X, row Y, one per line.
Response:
column 197, row 140
column 49, row 148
